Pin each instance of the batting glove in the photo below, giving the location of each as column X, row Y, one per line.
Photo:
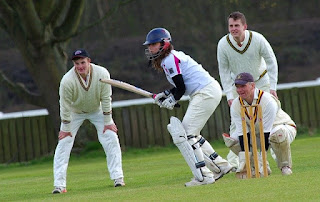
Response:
column 169, row 102
column 160, row 97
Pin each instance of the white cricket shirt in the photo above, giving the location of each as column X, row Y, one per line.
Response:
column 194, row 75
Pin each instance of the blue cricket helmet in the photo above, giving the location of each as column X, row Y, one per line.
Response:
column 157, row 35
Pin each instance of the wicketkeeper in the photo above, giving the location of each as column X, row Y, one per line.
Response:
column 279, row 129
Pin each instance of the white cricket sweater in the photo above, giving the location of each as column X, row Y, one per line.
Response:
column 272, row 114
column 254, row 56
column 77, row 97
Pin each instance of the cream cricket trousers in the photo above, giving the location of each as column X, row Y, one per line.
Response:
column 201, row 106
column 281, row 138
column 109, row 141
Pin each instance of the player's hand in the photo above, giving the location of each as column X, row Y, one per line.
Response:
column 112, row 127
column 274, row 93
column 230, row 102
column 228, row 140
column 63, row 134
column 159, row 98
column 169, row 102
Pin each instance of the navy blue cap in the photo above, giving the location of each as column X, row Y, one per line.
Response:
column 81, row 53
column 243, row 78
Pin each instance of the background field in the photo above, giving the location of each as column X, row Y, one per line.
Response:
column 159, row 174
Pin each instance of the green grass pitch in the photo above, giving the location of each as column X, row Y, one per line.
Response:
column 159, row 174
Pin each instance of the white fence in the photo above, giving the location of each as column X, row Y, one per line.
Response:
column 125, row 103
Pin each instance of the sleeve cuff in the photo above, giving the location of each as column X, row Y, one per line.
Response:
column 108, row 119
column 65, row 127
column 229, row 95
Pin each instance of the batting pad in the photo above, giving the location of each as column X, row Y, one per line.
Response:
column 179, row 138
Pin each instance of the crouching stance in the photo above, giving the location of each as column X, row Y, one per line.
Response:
column 191, row 79
column 83, row 97
column 279, row 129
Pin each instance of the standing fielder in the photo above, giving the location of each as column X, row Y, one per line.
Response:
column 278, row 127
column 83, row 96
column 188, row 78
column 243, row 50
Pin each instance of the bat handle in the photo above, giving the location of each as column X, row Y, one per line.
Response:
column 154, row 96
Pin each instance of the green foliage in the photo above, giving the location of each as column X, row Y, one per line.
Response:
column 159, row 174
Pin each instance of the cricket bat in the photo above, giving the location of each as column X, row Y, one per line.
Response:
column 131, row 88
column 128, row 87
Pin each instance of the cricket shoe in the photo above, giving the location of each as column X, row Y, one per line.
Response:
column 286, row 170
column 194, row 182
column 59, row 190
column 119, row 182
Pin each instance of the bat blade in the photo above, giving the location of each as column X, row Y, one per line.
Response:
column 131, row 88
column 128, row 87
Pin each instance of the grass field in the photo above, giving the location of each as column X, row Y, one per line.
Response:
column 159, row 174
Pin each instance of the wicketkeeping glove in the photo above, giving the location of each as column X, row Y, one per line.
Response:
column 169, row 102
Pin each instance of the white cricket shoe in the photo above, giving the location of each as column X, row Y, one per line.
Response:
column 119, row 182
column 194, row 182
column 286, row 170
column 59, row 190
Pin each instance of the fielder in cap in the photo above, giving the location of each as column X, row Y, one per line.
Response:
column 243, row 50
column 83, row 97
column 188, row 78
column 279, row 129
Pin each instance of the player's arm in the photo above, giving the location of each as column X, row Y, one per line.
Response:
column 269, row 115
column 180, row 88
column 225, row 73
column 65, row 93
column 175, row 93
column 271, row 62
column 236, row 118
column 106, row 92
column 173, row 70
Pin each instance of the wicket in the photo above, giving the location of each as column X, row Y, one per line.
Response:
column 253, row 140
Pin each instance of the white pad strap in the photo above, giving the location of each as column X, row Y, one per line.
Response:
column 179, row 138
